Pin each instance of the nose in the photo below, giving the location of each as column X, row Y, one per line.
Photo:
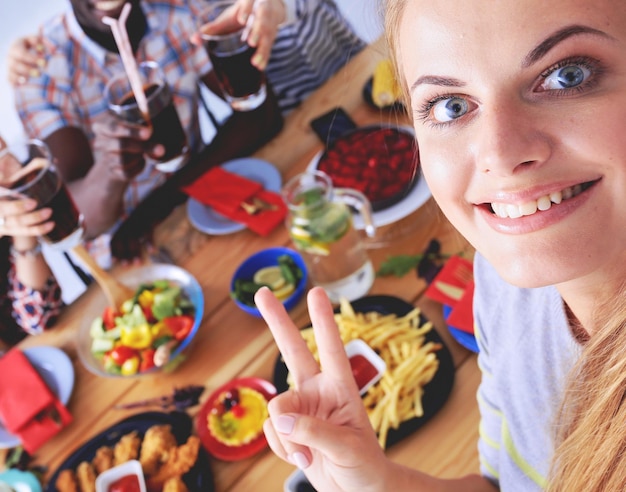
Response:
column 510, row 138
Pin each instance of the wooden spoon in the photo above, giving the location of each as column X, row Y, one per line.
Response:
column 115, row 291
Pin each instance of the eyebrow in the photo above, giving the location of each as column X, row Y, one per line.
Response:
column 435, row 80
column 535, row 55
column 558, row 37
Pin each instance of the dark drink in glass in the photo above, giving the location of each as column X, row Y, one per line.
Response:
column 238, row 77
column 167, row 129
column 166, row 126
column 242, row 83
column 40, row 180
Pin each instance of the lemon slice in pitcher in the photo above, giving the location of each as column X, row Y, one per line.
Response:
column 271, row 276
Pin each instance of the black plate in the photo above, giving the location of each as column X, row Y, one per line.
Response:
column 198, row 479
column 367, row 97
column 436, row 392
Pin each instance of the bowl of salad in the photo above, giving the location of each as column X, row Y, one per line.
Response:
column 150, row 332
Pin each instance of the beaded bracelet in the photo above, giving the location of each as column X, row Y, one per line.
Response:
column 26, row 253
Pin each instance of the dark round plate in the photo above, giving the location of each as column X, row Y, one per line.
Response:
column 436, row 392
column 381, row 161
column 198, row 479
column 213, row 446
column 367, row 97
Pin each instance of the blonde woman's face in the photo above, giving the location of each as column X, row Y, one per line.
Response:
column 519, row 109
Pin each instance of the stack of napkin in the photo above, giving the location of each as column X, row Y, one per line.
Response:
column 28, row 409
column 454, row 287
column 225, row 192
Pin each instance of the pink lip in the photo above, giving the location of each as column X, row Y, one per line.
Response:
column 537, row 221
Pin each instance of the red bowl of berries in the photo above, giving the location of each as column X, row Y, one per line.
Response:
column 380, row 161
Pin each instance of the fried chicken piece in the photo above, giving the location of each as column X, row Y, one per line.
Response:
column 179, row 462
column 155, row 448
column 66, row 481
column 103, row 460
column 86, row 477
column 175, row 484
column 127, row 448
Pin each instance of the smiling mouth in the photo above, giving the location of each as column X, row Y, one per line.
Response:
column 515, row 211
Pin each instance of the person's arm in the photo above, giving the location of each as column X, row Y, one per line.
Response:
column 319, row 424
column 25, row 59
column 266, row 16
column 34, row 293
column 98, row 179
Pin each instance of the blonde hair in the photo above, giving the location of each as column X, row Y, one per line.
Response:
column 590, row 452
column 590, row 431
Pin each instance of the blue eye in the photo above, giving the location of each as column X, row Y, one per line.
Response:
column 566, row 77
column 449, row 109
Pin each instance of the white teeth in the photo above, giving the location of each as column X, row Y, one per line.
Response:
column 109, row 4
column 544, row 203
column 556, row 197
column 511, row 211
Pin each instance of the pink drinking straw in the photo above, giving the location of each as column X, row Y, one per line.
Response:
column 118, row 27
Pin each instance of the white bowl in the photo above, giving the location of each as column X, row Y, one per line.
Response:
column 359, row 347
column 108, row 477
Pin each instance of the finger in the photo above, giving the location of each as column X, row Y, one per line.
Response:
column 244, row 10
column 227, row 22
column 291, row 345
column 273, row 440
column 307, row 434
column 116, row 128
column 17, row 207
column 283, row 410
column 330, row 347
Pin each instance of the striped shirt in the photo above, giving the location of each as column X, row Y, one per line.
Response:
column 526, row 351
column 310, row 50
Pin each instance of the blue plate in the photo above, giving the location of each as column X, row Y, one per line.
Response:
column 55, row 368
column 207, row 220
column 21, row 481
column 466, row 339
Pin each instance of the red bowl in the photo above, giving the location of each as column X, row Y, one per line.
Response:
column 380, row 161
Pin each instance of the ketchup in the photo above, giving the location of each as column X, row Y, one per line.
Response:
column 128, row 483
column 362, row 370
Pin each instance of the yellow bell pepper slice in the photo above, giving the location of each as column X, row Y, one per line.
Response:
column 137, row 337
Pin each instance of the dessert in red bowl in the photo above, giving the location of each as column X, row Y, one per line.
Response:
column 382, row 162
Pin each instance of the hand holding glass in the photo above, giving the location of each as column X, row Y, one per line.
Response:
column 242, row 83
column 38, row 178
column 167, row 129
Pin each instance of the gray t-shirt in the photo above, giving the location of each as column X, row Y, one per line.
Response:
column 526, row 351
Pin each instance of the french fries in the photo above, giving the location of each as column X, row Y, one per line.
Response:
column 411, row 362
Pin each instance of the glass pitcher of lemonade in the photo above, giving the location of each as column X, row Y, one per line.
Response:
column 321, row 228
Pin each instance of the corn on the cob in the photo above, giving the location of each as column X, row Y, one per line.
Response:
column 385, row 89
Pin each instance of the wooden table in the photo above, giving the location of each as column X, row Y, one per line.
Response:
column 232, row 344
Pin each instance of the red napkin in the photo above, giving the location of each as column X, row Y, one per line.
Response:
column 225, row 192
column 449, row 285
column 28, row 408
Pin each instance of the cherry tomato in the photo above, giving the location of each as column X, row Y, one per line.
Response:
column 108, row 318
column 121, row 354
column 180, row 326
column 147, row 359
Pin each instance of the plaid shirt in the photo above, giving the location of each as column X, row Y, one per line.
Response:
column 70, row 90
